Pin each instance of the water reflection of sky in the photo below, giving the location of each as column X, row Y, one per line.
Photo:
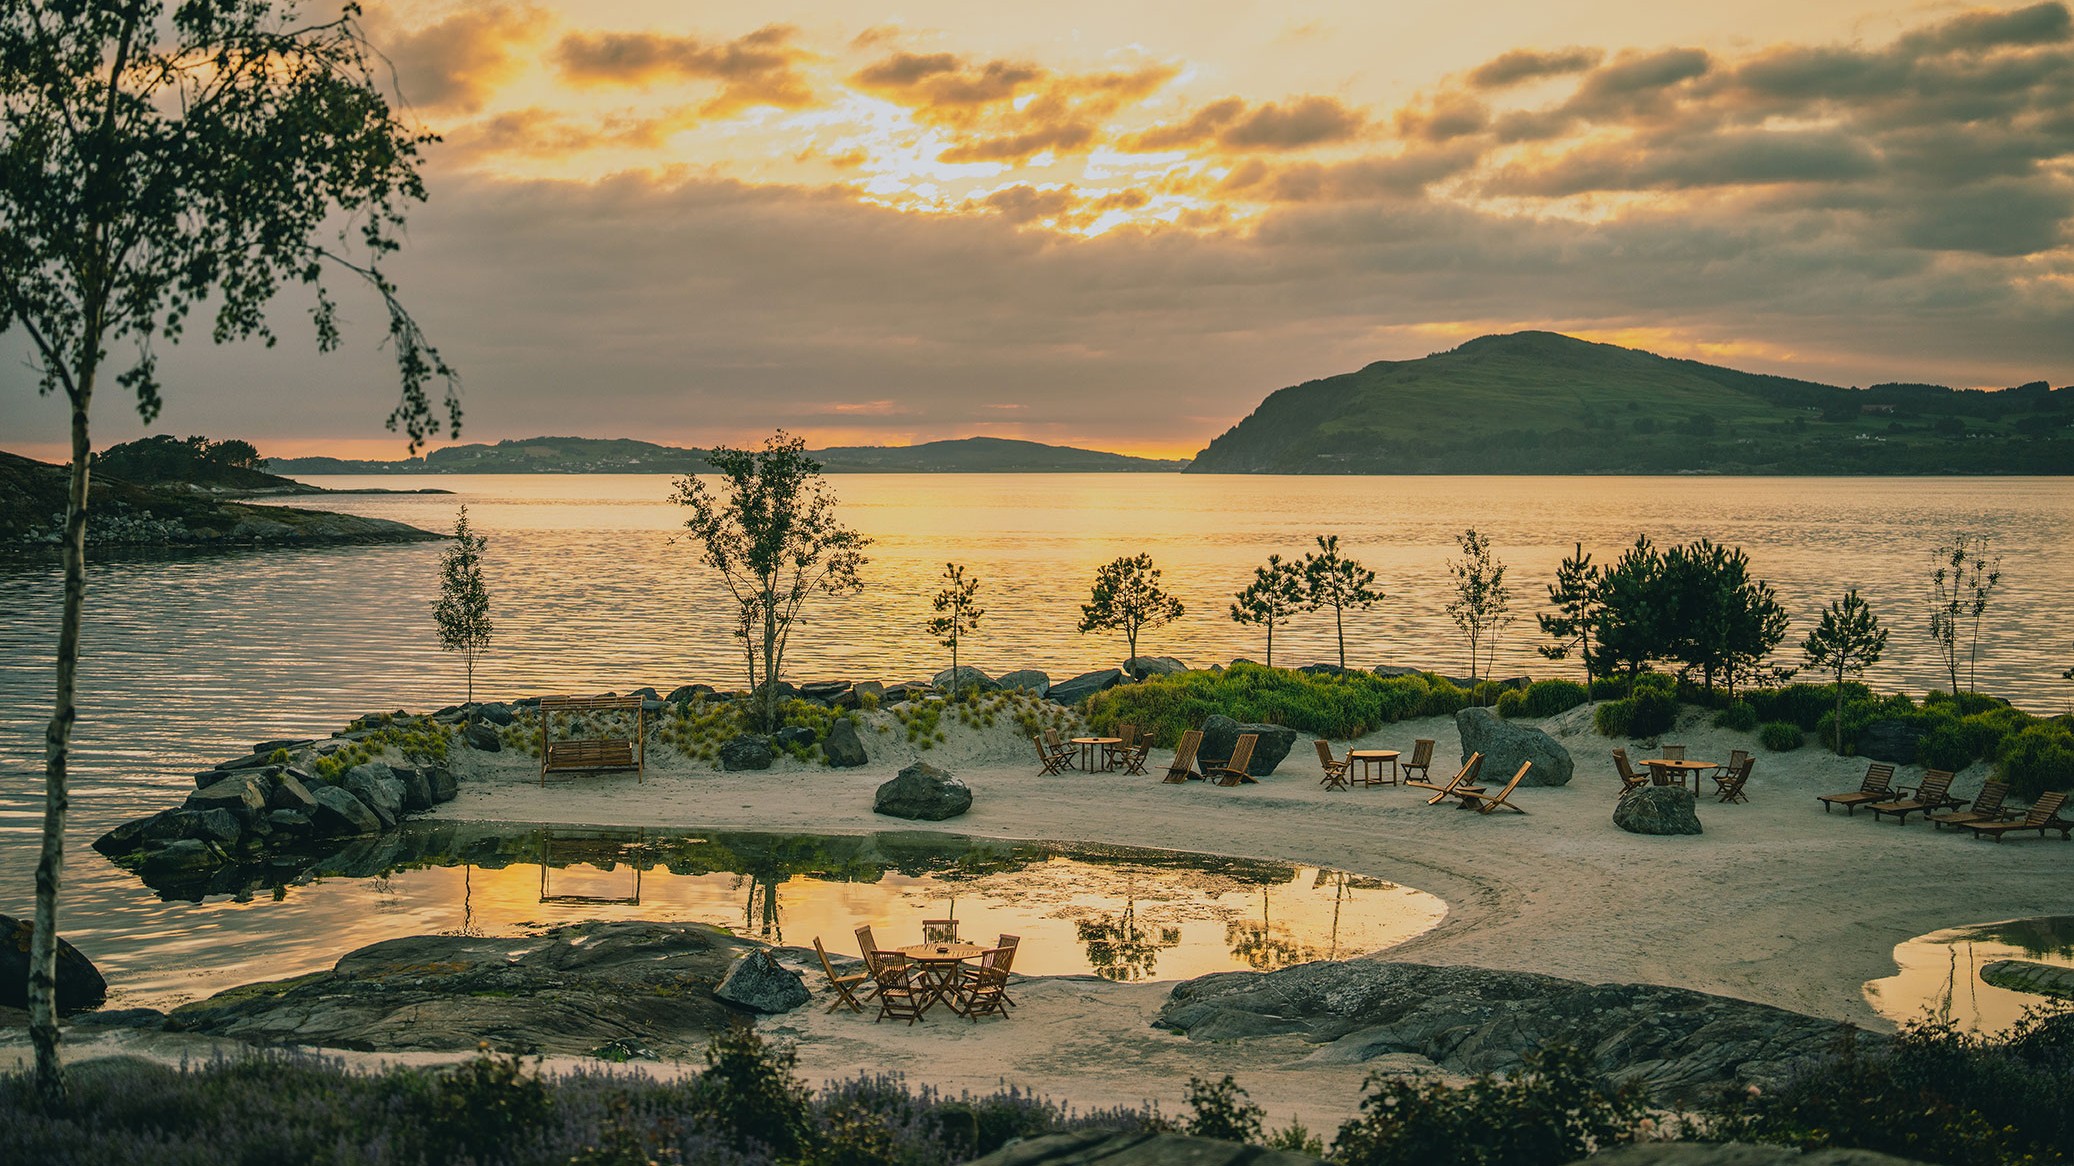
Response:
column 1125, row 915
column 1939, row 973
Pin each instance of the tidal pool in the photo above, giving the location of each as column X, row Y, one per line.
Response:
column 1939, row 974
column 1120, row 913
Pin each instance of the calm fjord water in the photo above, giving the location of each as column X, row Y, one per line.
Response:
column 191, row 659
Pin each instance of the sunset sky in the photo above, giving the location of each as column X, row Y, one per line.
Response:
column 1120, row 225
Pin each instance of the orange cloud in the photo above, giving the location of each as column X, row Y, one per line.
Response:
column 456, row 64
column 760, row 68
column 1306, row 121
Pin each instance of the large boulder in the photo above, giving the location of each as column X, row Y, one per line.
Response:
column 761, row 984
column 1221, row 736
column 1029, row 680
column 843, row 747
column 687, row 693
column 924, row 793
column 1658, row 809
column 1141, row 667
column 376, row 785
column 793, row 735
column 1505, row 745
column 962, row 677
column 417, row 788
column 1072, row 692
column 289, row 793
column 1890, row 739
column 239, row 793
column 496, row 713
column 1136, row 1148
column 341, row 815
column 80, row 985
column 444, row 786
column 825, row 691
column 482, row 737
column 747, row 751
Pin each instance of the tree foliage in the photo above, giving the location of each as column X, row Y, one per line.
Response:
column 1331, row 580
column 1847, row 641
column 1695, row 606
column 1961, row 584
column 770, row 530
column 1483, row 604
column 1275, row 594
column 463, row 608
column 1575, row 597
column 1126, row 597
column 162, row 457
column 154, row 165
column 957, row 612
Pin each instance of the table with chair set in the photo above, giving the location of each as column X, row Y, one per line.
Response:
column 1365, row 767
column 907, row 981
column 1673, row 768
column 1126, row 751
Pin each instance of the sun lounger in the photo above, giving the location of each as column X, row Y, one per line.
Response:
column 1934, row 793
column 1484, row 803
column 845, row 986
column 1335, row 769
column 1421, row 759
column 1183, row 768
column 1879, row 778
column 1987, row 807
column 1233, row 772
column 2044, row 815
column 1462, row 780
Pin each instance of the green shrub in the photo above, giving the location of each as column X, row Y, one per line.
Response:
column 1554, row 1108
column 1655, row 682
column 1222, row 1111
column 750, row 1093
column 1740, row 715
column 1781, row 736
column 1443, row 699
column 1946, row 744
column 2038, row 759
column 1512, row 703
column 1613, row 717
column 1342, row 706
column 1799, row 704
column 1655, row 713
column 1547, row 698
column 1609, row 687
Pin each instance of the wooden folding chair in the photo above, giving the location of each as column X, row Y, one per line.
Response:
column 1421, row 759
column 1736, row 757
column 1671, row 752
column 1126, row 740
column 1008, row 944
column 1484, row 803
column 2044, row 815
column 1462, row 780
column 1934, row 792
column 1877, row 787
column 845, row 986
column 867, row 945
column 1183, row 768
column 1987, row 807
column 939, row 931
column 901, row 995
column 1233, row 772
column 982, row 990
column 1053, row 743
column 1731, row 787
column 1054, row 761
column 1335, row 769
column 1630, row 779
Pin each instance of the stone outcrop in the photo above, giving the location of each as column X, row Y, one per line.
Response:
column 1114, row 1148
column 1029, row 680
column 1221, row 736
column 1141, row 667
column 962, row 677
column 483, row 737
column 761, row 984
column 924, row 793
column 747, row 751
column 1681, row 1045
column 646, row 987
column 2030, row 976
column 1072, row 692
column 1658, row 809
column 1505, row 746
column 843, row 747
column 80, row 985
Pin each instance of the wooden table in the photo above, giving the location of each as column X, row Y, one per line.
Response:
column 1372, row 765
column 1661, row 769
column 1089, row 746
column 936, row 968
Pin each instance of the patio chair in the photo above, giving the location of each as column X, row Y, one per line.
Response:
column 1671, row 752
column 1233, row 772
column 1053, row 742
column 1183, row 767
column 845, row 986
column 2044, row 815
column 1735, row 761
column 1933, row 793
column 1133, row 758
column 1463, row 779
column 867, row 946
column 1484, row 803
column 1335, row 769
column 939, row 931
column 1630, row 781
column 1421, row 759
column 1126, row 740
column 1879, row 778
column 1987, row 807
column 1731, row 787
column 901, row 994
column 983, row 990
column 1053, row 760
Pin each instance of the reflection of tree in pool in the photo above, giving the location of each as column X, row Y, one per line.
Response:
column 1118, row 948
column 1265, row 945
column 2045, row 936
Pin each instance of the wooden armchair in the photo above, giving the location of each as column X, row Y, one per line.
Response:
column 1630, row 781
column 983, row 990
column 1731, row 787
column 1421, row 759
column 1057, row 760
column 1126, row 740
column 939, row 931
column 1335, row 769
column 901, row 993
column 845, row 986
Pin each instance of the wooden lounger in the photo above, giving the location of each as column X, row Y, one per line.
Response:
column 1462, row 780
column 2044, row 815
column 1879, row 778
column 1484, row 803
column 1183, row 768
column 1987, row 807
column 1935, row 793
column 1233, row 772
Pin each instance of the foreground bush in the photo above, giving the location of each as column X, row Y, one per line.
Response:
column 2038, row 759
column 1556, row 1108
column 1331, row 705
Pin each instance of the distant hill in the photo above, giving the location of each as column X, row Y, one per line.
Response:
column 591, row 455
column 1544, row 403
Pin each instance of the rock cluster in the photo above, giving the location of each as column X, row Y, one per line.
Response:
column 1505, row 746
column 1682, row 1045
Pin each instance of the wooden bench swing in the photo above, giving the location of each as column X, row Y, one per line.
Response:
column 596, row 753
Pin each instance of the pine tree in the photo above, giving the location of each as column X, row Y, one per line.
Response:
column 1126, row 597
column 956, row 613
column 1847, row 641
column 1575, row 597
column 1334, row 581
column 1275, row 594
column 463, row 608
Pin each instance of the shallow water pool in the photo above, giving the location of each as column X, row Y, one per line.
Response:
column 1939, row 974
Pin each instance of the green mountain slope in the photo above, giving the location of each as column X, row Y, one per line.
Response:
column 590, row 455
column 1543, row 403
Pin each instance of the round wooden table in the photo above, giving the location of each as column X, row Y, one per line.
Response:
column 936, row 967
column 1089, row 746
column 1372, row 765
column 1661, row 769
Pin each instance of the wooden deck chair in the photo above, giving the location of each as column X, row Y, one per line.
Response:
column 1126, row 740
column 1484, row 803
column 901, row 995
column 1335, row 769
column 1053, row 760
column 1987, row 807
column 1464, row 778
column 1879, row 778
column 867, row 945
column 1670, row 752
column 1421, row 759
column 983, row 990
column 1133, row 757
column 1183, row 768
column 1735, row 761
column 2044, row 815
column 1933, row 793
column 1233, row 772
column 845, row 986
column 1731, row 787
column 1053, row 743
column 1630, row 781
column 939, row 931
